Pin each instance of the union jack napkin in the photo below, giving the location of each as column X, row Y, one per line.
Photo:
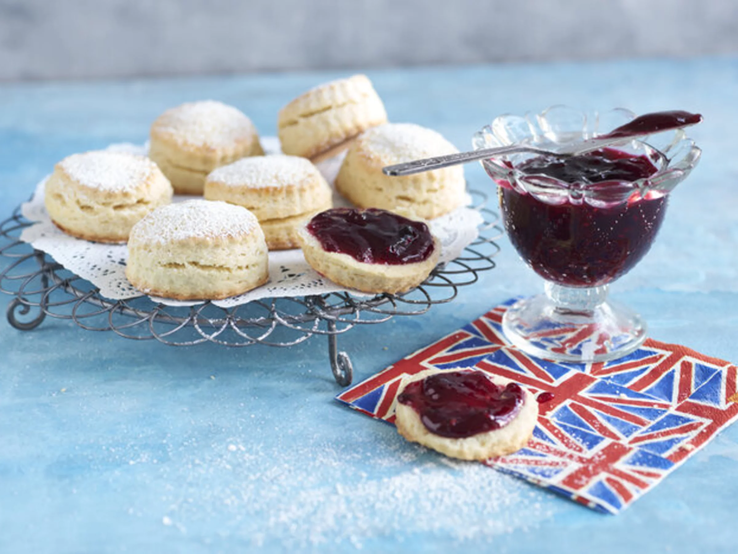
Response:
column 613, row 430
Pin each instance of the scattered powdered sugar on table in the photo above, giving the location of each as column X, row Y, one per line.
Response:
column 199, row 219
column 317, row 495
column 108, row 170
column 264, row 171
column 208, row 123
column 289, row 274
column 395, row 143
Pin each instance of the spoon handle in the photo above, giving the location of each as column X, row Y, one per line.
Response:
column 439, row 162
column 640, row 126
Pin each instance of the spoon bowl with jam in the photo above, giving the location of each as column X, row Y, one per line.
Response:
column 581, row 222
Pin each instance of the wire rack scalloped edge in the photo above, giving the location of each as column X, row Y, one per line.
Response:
column 41, row 287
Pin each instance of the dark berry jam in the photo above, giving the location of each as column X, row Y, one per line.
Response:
column 605, row 164
column 655, row 123
column 579, row 244
column 372, row 236
column 545, row 397
column 459, row 404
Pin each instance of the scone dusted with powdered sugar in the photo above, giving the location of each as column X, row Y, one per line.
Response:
column 321, row 122
column 370, row 250
column 424, row 195
column 466, row 413
column 197, row 250
column 101, row 195
column 191, row 140
column 283, row 192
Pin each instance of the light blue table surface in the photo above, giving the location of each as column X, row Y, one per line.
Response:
column 110, row 445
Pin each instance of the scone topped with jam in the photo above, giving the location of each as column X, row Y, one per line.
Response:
column 191, row 140
column 467, row 414
column 370, row 250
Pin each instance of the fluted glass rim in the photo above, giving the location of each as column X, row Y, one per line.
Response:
column 674, row 154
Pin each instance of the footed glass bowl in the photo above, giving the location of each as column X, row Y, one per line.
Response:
column 581, row 223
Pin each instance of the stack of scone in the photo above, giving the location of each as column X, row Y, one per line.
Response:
column 349, row 114
column 283, row 192
column 191, row 140
column 217, row 247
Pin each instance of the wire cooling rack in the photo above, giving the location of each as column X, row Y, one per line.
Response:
column 41, row 287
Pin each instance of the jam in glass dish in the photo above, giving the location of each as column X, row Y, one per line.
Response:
column 580, row 223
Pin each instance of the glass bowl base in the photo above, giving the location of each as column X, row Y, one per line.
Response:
column 540, row 327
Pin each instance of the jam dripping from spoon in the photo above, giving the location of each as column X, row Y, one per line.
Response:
column 655, row 122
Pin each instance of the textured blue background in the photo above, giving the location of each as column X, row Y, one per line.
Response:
column 110, row 445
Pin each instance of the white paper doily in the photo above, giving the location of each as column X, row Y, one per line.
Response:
column 289, row 274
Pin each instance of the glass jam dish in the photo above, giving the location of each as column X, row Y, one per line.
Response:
column 581, row 223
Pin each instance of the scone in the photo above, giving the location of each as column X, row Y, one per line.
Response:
column 370, row 250
column 197, row 250
column 191, row 140
column 100, row 195
column 466, row 414
column 321, row 122
column 423, row 195
column 283, row 192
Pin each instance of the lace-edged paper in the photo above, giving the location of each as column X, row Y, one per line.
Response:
column 289, row 274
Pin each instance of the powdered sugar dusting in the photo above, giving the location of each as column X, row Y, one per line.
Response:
column 108, row 171
column 395, row 143
column 207, row 123
column 193, row 219
column 265, row 171
column 319, row 494
column 290, row 275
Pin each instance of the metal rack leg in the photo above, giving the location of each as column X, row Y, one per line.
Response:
column 17, row 305
column 343, row 370
column 23, row 307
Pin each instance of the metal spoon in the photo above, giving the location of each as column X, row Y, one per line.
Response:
column 644, row 125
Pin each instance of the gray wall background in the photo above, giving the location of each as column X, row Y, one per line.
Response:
column 47, row 39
